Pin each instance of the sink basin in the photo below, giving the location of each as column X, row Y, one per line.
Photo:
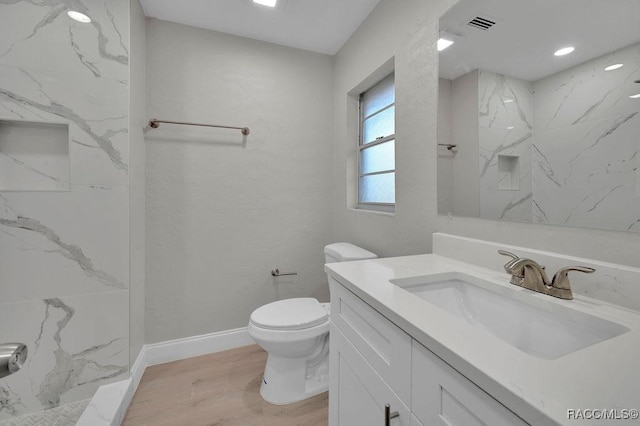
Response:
column 540, row 328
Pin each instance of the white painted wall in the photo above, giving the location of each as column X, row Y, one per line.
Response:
column 405, row 32
column 137, row 123
column 223, row 211
column 445, row 156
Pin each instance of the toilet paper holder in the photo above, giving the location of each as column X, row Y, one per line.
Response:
column 276, row 273
column 12, row 358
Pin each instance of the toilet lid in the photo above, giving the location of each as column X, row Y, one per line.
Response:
column 290, row 314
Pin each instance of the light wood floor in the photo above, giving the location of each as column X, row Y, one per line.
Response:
column 221, row 389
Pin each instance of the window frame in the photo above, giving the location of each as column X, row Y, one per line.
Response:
column 381, row 207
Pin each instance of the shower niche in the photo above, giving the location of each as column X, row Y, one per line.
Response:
column 34, row 156
column 508, row 173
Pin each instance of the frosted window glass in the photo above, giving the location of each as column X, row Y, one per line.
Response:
column 379, row 96
column 380, row 125
column 378, row 158
column 378, row 188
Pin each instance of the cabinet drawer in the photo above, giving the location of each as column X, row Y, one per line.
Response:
column 442, row 396
column 385, row 346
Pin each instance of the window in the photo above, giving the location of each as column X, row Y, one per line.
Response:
column 376, row 147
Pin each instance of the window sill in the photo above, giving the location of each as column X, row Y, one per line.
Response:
column 363, row 210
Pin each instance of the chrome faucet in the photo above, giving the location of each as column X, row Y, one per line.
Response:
column 531, row 275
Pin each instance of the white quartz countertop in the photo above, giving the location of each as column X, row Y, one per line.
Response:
column 540, row 391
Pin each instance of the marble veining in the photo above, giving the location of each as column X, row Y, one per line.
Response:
column 488, row 158
column 64, row 250
column 92, row 108
column 47, row 19
column 86, row 62
column 575, row 137
column 504, row 129
column 102, row 51
column 588, row 200
column 512, row 205
column 67, row 250
column 544, row 166
column 60, row 110
column 585, row 153
column 61, row 183
column 584, row 117
column 70, row 368
column 608, row 132
column 64, row 361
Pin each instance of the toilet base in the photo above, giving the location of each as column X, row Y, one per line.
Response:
column 288, row 380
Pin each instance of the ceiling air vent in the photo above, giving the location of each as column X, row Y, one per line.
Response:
column 481, row 23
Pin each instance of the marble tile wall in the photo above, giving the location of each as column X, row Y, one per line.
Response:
column 64, row 255
column 505, row 113
column 575, row 135
column 586, row 150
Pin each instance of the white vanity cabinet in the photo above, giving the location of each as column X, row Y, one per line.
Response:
column 443, row 397
column 374, row 363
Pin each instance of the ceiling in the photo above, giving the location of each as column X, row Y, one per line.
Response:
column 316, row 25
column 527, row 33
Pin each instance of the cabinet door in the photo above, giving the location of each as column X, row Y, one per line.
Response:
column 383, row 344
column 358, row 395
column 441, row 396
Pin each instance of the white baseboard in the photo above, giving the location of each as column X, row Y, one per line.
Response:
column 110, row 402
column 174, row 350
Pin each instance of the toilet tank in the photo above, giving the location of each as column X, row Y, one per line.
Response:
column 344, row 252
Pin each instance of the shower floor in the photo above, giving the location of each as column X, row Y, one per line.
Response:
column 64, row 415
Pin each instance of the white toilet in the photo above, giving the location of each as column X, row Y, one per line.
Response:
column 295, row 334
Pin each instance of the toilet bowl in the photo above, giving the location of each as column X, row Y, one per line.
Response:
column 295, row 334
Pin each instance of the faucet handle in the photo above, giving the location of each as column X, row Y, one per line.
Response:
column 508, row 267
column 561, row 279
column 508, row 253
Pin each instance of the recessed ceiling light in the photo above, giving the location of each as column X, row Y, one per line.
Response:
column 510, row 128
column 77, row 16
column 270, row 3
column 508, row 101
column 613, row 67
column 564, row 51
column 635, row 96
column 443, row 43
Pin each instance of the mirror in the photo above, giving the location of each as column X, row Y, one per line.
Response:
column 528, row 135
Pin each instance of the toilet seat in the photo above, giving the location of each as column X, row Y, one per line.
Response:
column 290, row 314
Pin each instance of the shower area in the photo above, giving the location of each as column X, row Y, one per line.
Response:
column 67, row 199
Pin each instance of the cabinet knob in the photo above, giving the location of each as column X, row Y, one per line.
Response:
column 388, row 415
